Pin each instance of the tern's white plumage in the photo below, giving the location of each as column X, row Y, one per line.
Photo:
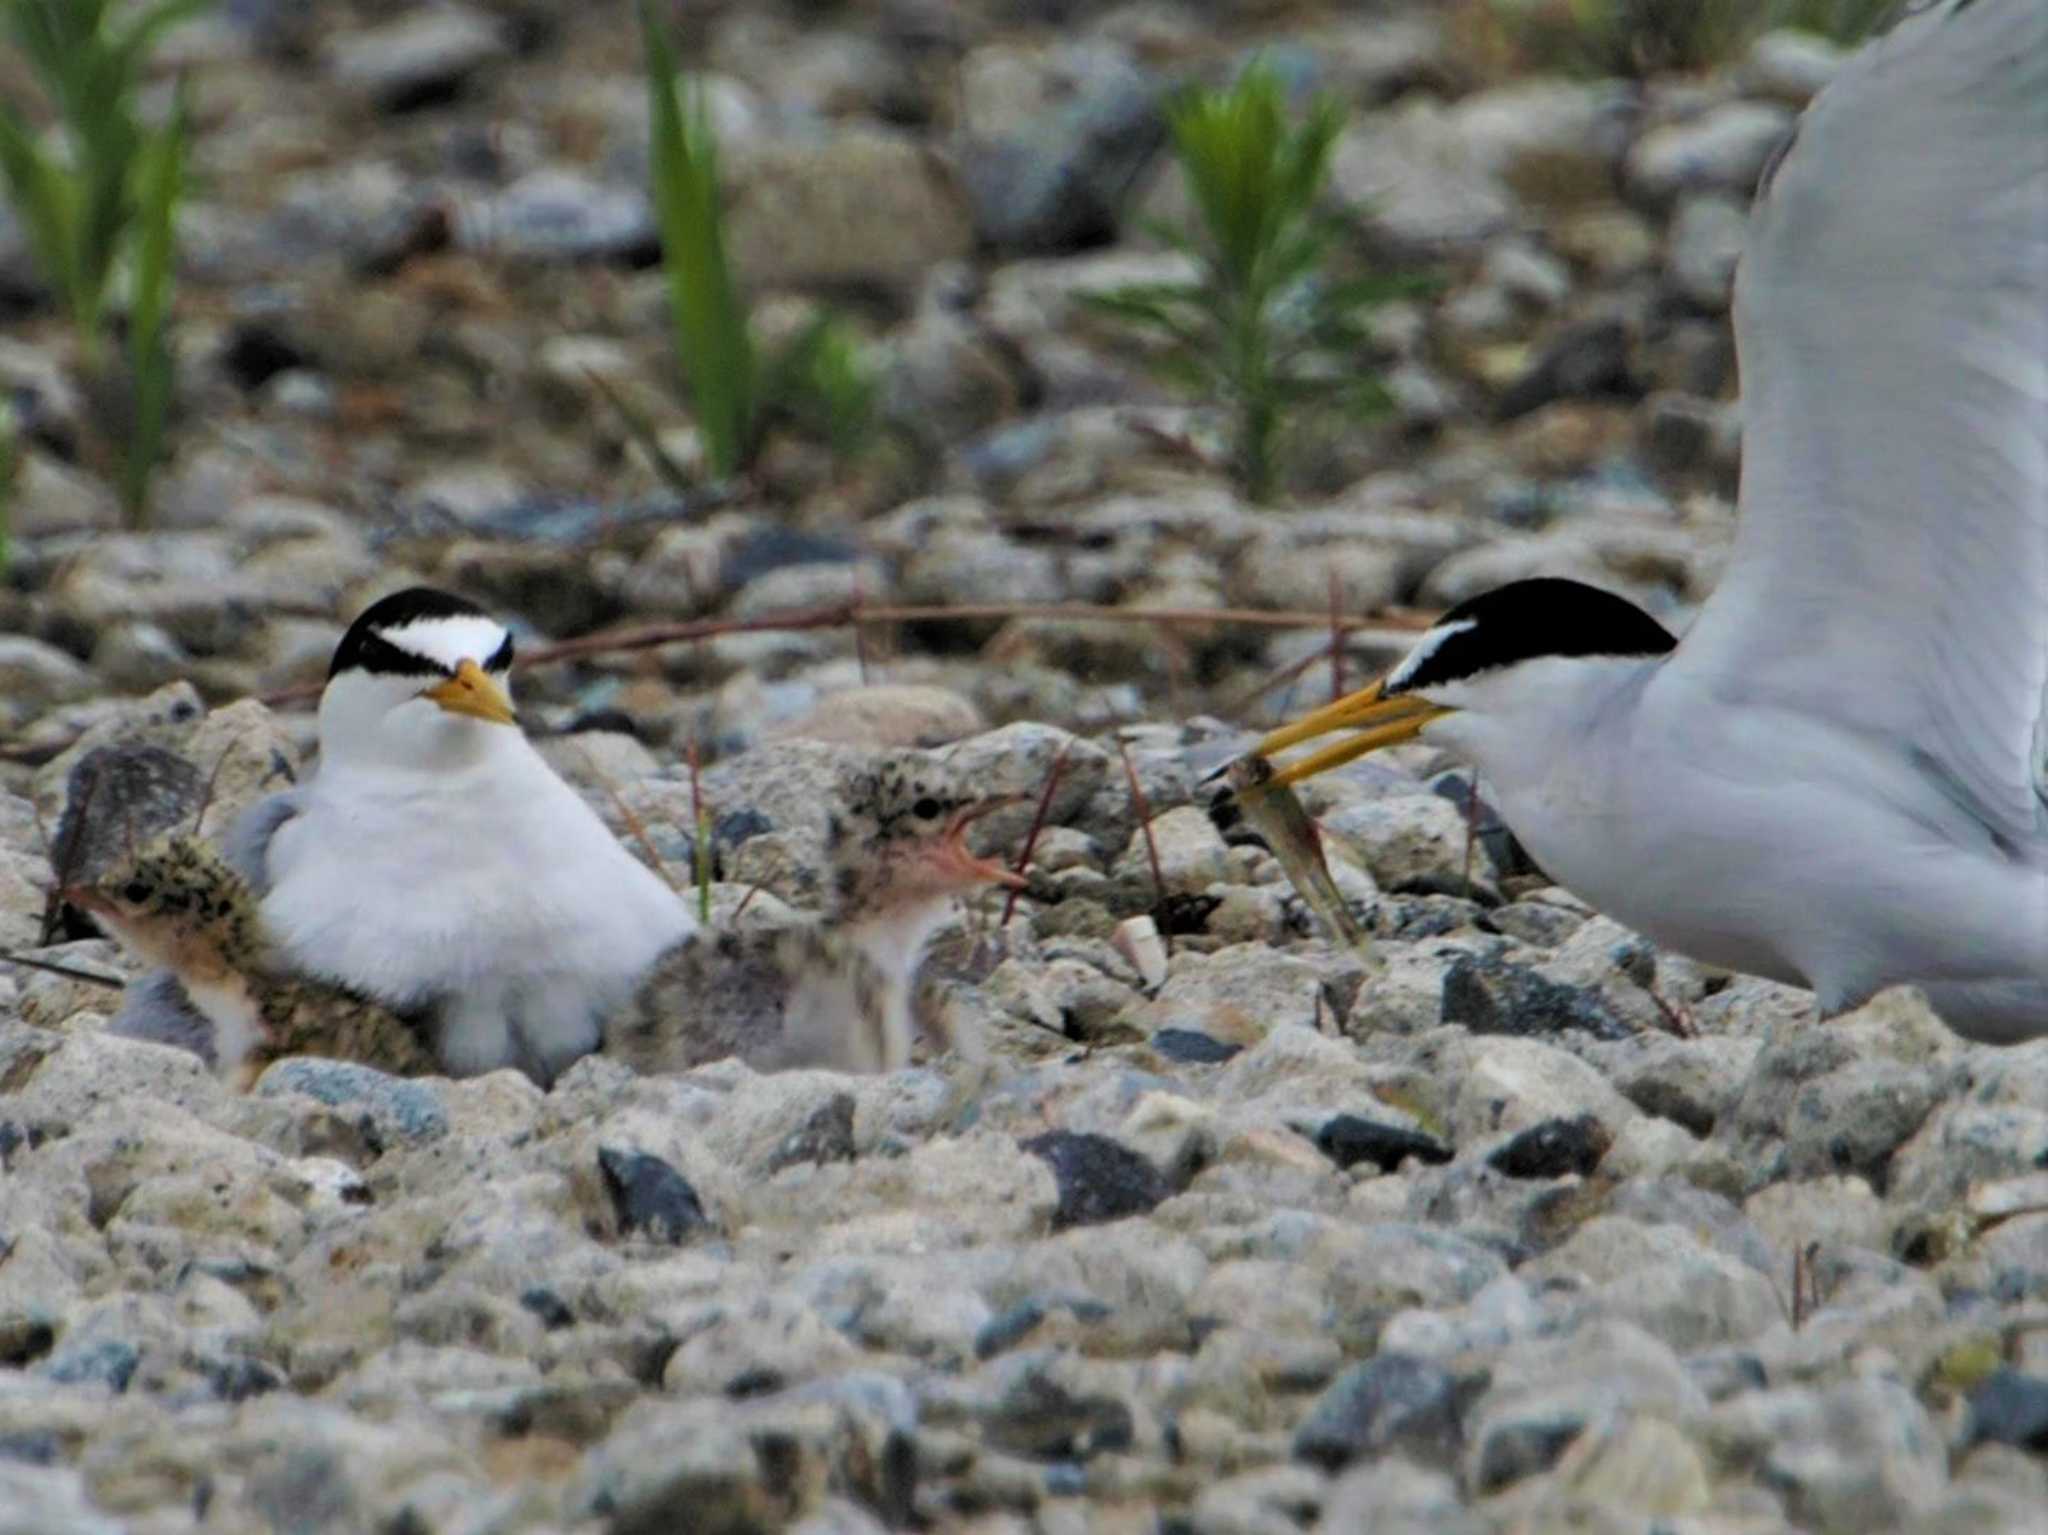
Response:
column 1839, row 776
column 436, row 862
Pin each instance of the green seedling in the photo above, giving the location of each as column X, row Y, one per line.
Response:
column 1270, row 328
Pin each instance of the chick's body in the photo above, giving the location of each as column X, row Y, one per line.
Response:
column 831, row 990
column 176, row 903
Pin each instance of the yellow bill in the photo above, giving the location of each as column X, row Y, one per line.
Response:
column 474, row 692
column 1381, row 721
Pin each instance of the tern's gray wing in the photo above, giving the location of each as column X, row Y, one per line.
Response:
column 155, row 1007
column 246, row 846
column 1890, row 572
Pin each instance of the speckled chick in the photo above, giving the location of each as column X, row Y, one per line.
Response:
column 175, row 903
column 832, row 990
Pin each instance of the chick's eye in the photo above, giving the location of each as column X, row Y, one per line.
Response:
column 926, row 809
column 135, row 892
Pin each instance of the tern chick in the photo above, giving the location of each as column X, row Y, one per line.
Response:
column 177, row 904
column 832, row 990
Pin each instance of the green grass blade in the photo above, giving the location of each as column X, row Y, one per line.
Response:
column 38, row 190
column 712, row 342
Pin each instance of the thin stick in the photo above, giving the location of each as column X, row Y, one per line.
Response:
column 747, row 899
column 840, row 614
column 1144, row 810
column 1273, row 679
column 635, row 827
column 1336, row 642
column 860, row 632
column 1471, row 827
column 113, row 982
column 1052, row 783
column 700, row 845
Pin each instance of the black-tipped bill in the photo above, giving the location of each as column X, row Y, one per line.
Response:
column 1381, row 721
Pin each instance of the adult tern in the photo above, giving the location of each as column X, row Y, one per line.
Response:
column 1838, row 777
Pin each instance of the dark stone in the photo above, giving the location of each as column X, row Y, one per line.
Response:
column 1493, row 835
column 110, row 1363
column 24, row 1340
column 1348, row 1139
column 2010, row 1408
column 115, row 799
column 1192, row 1048
column 30, row 1447
column 1554, row 1148
column 651, row 1197
column 544, row 1303
column 1099, row 1179
column 1588, row 360
column 1039, row 1417
column 1513, row 1451
column 237, row 1377
column 1725, row 1372
column 1060, row 182
column 1183, row 912
column 256, row 353
column 1391, row 1400
column 826, row 1136
column 399, row 1110
column 1002, row 1333
column 1492, row 996
column 765, row 549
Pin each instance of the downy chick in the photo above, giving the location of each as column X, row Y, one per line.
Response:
column 832, row 990
column 176, row 903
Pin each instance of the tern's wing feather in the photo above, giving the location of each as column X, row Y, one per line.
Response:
column 1891, row 315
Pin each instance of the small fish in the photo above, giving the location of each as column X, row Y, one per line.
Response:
column 1276, row 814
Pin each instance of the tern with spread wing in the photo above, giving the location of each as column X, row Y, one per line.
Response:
column 1838, row 777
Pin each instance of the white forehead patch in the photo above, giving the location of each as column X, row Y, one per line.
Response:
column 447, row 640
column 1430, row 643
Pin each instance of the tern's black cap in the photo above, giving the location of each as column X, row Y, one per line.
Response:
column 367, row 646
column 1525, row 621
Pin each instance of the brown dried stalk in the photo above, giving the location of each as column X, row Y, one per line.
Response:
column 1336, row 642
column 1144, row 813
column 1052, row 784
column 635, row 827
column 839, row 615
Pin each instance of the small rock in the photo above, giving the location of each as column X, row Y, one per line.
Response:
column 1392, row 1401
column 2010, row 1408
column 417, row 59
column 1554, row 1149
column 1191, row 1047
column 1705, row 243
column 1723, row 149
column 651, row 1197
column 1347, row 1140
column 1099, row 1179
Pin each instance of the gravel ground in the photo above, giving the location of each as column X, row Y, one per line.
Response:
column 1518, row 1225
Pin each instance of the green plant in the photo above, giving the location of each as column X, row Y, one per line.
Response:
column 819, row 379
column 78, row 206
column 104, row 195
column 1267, row 326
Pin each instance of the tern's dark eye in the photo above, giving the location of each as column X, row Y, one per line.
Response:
column 926, row 809
column 135, row 892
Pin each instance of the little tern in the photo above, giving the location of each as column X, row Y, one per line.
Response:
column 438, row 865
column 1838, row 776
